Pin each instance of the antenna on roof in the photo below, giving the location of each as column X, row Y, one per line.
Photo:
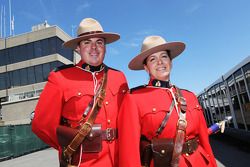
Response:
column 72, row 30
column 1, row 28
column 4, row 29
column 12, row 26
column 10, row 15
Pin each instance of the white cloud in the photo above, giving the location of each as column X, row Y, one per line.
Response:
column 83, row 6
column 193, row 8
column 147, row 32
column 113, row 51
column 136, row 40
column 45, row 10
column 30, row 16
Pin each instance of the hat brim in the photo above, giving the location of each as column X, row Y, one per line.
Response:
column 109, row 38
column 175, row 48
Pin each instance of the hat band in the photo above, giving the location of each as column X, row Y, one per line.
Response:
column 91, row 32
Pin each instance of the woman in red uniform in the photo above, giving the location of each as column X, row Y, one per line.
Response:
column 159, row 113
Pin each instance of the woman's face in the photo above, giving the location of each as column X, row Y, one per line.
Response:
column 159, row 65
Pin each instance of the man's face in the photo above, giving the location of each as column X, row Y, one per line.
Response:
column 92, row 51
column 159, row 65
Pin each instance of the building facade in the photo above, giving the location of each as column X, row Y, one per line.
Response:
column 229, row 96
column 26, row 61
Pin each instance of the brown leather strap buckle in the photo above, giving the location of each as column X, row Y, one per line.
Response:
column 109, row 134
column 190, row 146
column 182, row 124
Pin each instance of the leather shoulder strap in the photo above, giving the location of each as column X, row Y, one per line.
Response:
column 181, row 129
column 87, row 126
column 165, row 120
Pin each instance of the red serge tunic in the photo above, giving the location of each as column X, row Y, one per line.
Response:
column 67, row 94
column 142, row 112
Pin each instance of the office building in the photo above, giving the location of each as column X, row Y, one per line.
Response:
column 26, row 61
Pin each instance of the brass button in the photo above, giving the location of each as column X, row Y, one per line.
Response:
column 96, row 73
column 109, row 121
column 106, row 102
column 91, row 135
column 123, row 91
column 187, row 154
column 79, row 94
column 163, row 151
column 154, row 109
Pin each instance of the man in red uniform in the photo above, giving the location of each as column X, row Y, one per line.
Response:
column 152, row 114
column 71, row 88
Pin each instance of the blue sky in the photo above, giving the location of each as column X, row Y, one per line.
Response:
column 216, row 32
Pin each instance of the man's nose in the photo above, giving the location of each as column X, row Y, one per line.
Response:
column 93, row 45
column 159, row 61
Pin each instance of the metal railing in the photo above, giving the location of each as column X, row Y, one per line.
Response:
column 17, row 140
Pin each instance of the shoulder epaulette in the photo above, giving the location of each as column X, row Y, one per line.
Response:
column 113, row 69
column 186, row 90
column 63, row 67
column 137, row 88
column 182, row 89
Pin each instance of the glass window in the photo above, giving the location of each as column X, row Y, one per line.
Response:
column 31, row 75
column 65, row 52
column 55, row 64
column 2, row 81
column 11, row 55
column 38, row 49
column 52, row 45
column 23, row 53
column 16, row 54
column 59, row 43
column 39, row 73
column 231, row 87
column 24, row 76
column 68, row 53
column 46, row 70
column 45, row 47
column 237, row 74
column 15, row 78
column 3, row 57
column 7, row 56
column 246, row 70
column 236, row 106
column 7, row 77
column 30, row 51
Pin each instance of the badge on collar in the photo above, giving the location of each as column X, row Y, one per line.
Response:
column 87, row 68
column 158, row 84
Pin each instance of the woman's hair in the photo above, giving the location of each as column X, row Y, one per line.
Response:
column 145, row 60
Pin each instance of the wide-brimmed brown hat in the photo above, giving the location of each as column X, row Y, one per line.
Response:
column 153, row 44
column 91, row 28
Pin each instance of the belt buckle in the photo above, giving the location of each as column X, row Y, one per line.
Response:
column 190, row 147
column 110, row 134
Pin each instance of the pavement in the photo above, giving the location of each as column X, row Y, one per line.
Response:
column 228, row 151
column 43, row 158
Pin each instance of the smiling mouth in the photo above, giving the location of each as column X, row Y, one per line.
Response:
column 161, row 69
column 94, row 54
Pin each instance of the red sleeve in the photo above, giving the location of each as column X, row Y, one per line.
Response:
column 129, row 133
column 48, row 112
column 203, row 137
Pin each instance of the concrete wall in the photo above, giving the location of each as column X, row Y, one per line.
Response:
column 36, row 35
column 18, row 112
